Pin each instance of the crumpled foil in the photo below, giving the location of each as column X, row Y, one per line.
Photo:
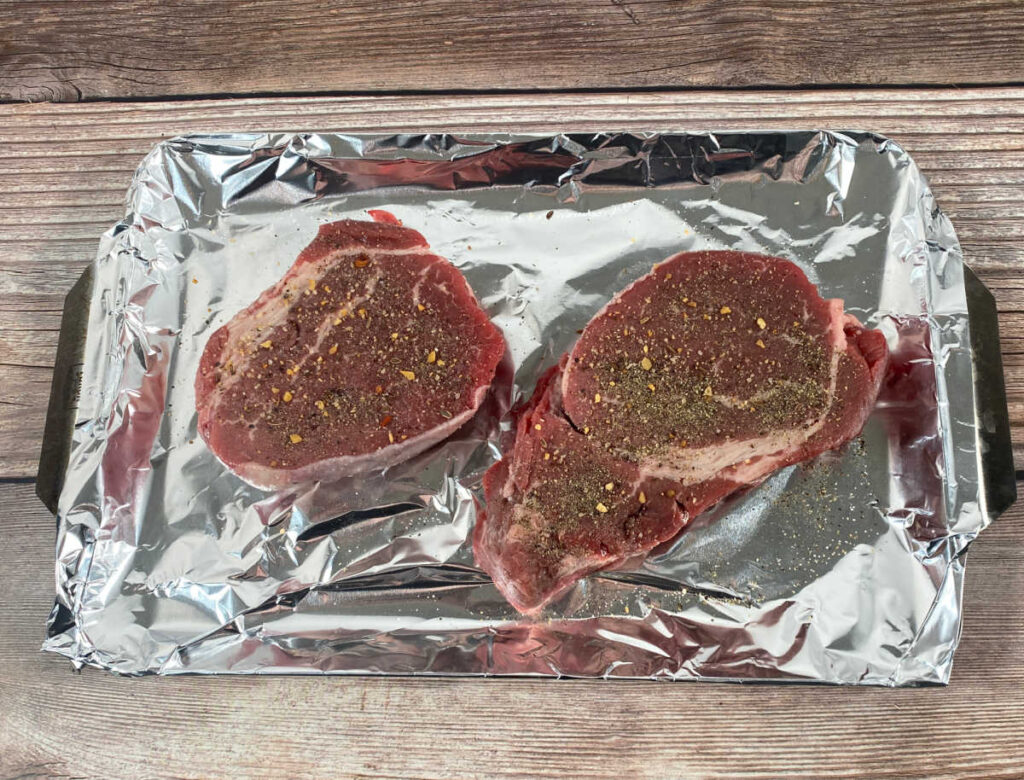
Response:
column 848, row 569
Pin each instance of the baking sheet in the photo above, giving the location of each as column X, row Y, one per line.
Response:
column 848, row 569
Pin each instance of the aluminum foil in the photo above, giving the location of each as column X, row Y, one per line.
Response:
column 848, row 569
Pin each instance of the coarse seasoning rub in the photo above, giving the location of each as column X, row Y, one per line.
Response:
column 371, row 349
column 703, row 377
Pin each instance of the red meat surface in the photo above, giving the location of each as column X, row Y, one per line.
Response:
column 701, row 378
column 368, row 351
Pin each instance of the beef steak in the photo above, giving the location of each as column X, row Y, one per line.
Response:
column 701, row 378
column 368, row 351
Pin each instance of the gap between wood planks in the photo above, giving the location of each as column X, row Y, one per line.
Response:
column 527, row 91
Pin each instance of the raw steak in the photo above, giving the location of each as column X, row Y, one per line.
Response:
column 367, row 352
column 701, row 378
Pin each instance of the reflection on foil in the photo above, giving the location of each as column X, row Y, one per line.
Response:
column 847, row 570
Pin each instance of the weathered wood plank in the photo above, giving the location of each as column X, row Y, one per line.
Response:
column 66, row 168
column 434, row 728
column 76, row 49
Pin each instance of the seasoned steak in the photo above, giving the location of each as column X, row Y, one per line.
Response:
column 701, row 378
column 563, row 506
column 369, row 350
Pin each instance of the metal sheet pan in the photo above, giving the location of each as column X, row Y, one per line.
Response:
column 848, row 569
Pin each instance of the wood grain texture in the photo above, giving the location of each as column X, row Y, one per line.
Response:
column 74, row 49
column 66, row 168
column 55, row 723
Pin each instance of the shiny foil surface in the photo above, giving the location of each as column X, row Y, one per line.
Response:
column 847, row 569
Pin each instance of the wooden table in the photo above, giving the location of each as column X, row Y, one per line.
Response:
column 123, row 75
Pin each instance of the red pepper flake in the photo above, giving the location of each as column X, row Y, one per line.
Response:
column 386, row 420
